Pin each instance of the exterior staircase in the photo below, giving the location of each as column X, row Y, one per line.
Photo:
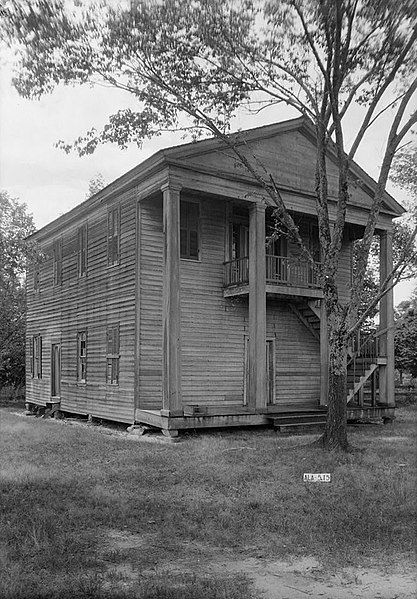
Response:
column 359, row 384
column 363, row 362
column 309, row 314
column 362, row 372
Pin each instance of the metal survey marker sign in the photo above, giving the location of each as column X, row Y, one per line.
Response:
column 309, row 477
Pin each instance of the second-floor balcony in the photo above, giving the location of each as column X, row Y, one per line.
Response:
column 284, row 276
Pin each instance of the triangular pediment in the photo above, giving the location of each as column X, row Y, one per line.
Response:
column 287, row 152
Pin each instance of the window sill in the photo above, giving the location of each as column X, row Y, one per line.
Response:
column 198, row 260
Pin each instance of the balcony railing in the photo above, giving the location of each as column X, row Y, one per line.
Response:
column 280, row 270
column 236, row 272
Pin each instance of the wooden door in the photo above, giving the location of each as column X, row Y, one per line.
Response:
column 239, row 241
column 56, row 370
column 270, row 372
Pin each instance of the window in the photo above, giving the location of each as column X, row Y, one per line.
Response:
column 82, row 251
column 113, row 355
column 113, row 235
column 239, row 241
column 57, row 262
column 82, row 357
column 55, row 369
column 189, row 234
column 36, row 355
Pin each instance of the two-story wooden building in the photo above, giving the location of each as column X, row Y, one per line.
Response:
column 160, row 302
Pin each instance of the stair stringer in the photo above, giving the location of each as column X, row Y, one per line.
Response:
column 312, row 304
column 304, row 321
column 358, row 386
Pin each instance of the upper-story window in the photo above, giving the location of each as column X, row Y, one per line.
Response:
column 189, row 230
column 82, row 251
column 113, row 236
column 239, row 240
column 57, row 262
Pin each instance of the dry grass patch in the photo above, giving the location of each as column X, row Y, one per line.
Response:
column 64, row 487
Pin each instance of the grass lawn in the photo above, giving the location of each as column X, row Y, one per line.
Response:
column 89, row 513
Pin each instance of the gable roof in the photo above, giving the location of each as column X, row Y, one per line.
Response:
column 301, row 124
column 179, row 155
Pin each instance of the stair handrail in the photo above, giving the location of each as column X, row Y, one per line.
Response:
column 356, row 352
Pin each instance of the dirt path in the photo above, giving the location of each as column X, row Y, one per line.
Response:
column 301, row 577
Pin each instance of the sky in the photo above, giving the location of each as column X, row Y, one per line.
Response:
column 52, row 182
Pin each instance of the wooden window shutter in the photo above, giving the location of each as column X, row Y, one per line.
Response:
column 113, row 236
column 40, row 357
column 82, row 250
column 113, row 355
column 32, row 357
column 57, row 259
column 189, row 230
column 109, row 341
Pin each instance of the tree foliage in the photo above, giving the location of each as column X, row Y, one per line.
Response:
column 192, row 66
column 15, row 225
column 404, row 173
column 95, row 185
column 406, row 336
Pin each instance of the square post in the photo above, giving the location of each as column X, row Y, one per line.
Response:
column 171, row 308
column 257, row 398
column 386, row 324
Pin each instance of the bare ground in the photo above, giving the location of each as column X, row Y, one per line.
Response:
column 278, row 579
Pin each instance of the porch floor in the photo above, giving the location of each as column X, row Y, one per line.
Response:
column 231, row 416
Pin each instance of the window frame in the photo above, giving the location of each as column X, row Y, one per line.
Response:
column 36, row 356
column 113, row 355
column 197, row 230
column 81, row 359
column 113, row 236
column 82, row 245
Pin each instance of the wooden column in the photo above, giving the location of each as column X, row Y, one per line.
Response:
column 171, row 318
column 386, row 324
column 257, row 308
column 324, row 355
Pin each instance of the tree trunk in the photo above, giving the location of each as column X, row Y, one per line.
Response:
column 335, row 432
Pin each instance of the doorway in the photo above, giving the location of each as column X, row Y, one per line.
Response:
column 270, row 371
column 56, row 370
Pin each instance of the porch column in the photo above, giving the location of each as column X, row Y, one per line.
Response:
column 386, row 324
column 171, row 318
column 324, row 355
column 257, row 308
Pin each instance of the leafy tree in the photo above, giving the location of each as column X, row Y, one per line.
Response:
column 404, row 172
column 193, row 66
column 15, row 225
column 406, row 336
column 96, row 183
